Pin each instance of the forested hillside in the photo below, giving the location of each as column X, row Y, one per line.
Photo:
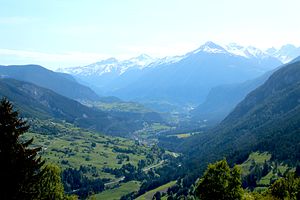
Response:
column 268, row 119
column 37, row 102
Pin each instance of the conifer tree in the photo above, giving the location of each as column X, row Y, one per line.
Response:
column 20, row 165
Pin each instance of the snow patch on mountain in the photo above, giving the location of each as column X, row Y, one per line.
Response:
column 285, row 54
column 210, row 47
column 110, row 65
column 247, row 52
column 167, row 60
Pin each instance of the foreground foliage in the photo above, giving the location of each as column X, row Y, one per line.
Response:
column 20, row 165
column 22, row 173
column 220, row 182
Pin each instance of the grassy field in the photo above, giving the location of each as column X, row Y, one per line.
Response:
column 73, row 147
column 183, row 135
column 277, row 169
column 117, row 193
column 272, row 175
column 149, row 195
column 152, row 129
column 258, row 158
column 118, row 106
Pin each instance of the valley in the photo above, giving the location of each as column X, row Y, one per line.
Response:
column 158, row 143
column 96, row 156
column 149, row 100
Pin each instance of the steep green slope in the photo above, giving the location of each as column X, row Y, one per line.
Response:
column 268, row 119
column 130, row 111
column 72, row 147
column 60, row 83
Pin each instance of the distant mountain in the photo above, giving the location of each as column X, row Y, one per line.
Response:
column 251, row 52
column 36, row 102
column 221, row 100
column 63, row 84
column 268, row 119
column 104, row 75
column 286, row 53
column 178, row 80
column 190, row 77
column 110, row 65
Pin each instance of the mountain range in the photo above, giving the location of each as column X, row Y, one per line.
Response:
column 181, row 80
column 222, row 99
column 285, row 54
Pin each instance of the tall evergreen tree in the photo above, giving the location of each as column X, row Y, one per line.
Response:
column 20, row 165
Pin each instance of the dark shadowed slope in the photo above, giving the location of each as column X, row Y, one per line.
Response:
column 268, row 119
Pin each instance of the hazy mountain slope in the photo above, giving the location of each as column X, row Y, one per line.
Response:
column 63, row 84
column 34, row 101
column 221, row 100
column 286, row 53
column 37, row 102
column 268, row 119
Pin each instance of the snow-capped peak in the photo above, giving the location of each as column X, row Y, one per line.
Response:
column 167, row 60
column 117, row 67
column 236, row 49
column 255, row 52
column 247, row 52
column 108, row 61
column 210, row 47
column 286, row 53
column 111, row 65
column 144, row 57
column 271, row 50
column 142, row 60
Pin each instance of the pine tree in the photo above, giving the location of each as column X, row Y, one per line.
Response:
column 20, row 165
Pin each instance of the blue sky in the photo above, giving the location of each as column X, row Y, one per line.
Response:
column 63, row 33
